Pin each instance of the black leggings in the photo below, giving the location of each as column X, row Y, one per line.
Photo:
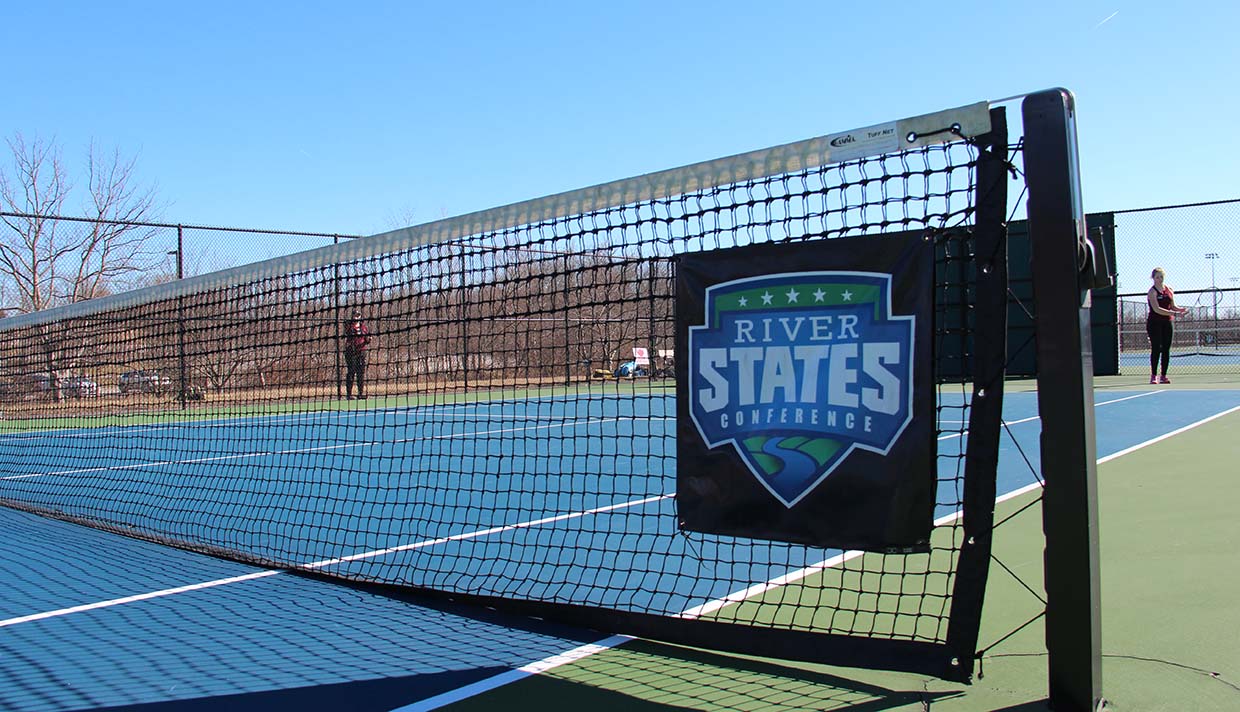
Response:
column 355, row 372
column 1159, row 331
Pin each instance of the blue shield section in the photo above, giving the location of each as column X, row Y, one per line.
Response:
column 798, row 370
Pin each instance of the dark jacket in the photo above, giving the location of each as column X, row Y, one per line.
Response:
column 356, row 337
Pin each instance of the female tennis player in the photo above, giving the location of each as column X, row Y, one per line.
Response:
column 1158, row 324
column 356, row 339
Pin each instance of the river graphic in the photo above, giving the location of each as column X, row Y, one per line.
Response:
column 797, row 470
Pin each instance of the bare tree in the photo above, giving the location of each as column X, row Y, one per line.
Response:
column 400, row 218
column 48, row 262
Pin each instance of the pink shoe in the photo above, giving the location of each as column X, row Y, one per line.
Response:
column 1164, row 379
column 1153, row 381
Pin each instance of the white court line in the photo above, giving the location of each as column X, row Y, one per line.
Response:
column 313, row 566
column 690, row 613
column 793, row 577
column 834, row 561
column 327, row 414
column 483, row 532
column 190, row 424
column 581, row 652
column 535, row 668
column 318, row 448
column 139, row 597
column 951, row 436
column 586, row 650
column 328, row 417
column 1165, row 436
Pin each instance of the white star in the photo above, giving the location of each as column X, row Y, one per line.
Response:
column 766, row 297
column 743, row 301
column 792, row 295
column 847, row 295
column 819, row 295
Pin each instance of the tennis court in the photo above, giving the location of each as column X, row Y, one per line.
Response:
column 1168, row 592
column 238, row 532
column 1190, row 361
column 156, row 624
column 303, row 489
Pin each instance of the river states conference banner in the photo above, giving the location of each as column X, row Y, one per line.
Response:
column 805, row 397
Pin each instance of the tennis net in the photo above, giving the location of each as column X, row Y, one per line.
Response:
column 516, row 441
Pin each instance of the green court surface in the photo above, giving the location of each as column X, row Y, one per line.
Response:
column 1171, row 618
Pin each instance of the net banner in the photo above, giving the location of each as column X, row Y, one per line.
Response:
column 806, row 409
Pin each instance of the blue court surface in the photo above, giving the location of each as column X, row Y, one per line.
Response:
column 1139, row 362
column 96, row 620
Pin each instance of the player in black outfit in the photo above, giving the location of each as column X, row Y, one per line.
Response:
column 356, row 339
column 1158, row 325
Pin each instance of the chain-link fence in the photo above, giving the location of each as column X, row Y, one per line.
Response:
column 51, row 260
column 1198, row 246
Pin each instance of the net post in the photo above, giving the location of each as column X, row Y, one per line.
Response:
column 1065, row 402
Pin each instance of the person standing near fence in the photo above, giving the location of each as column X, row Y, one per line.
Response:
column 1158, row 325
column 356, row 339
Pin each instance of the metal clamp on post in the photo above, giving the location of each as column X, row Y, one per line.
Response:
column 1093, row 263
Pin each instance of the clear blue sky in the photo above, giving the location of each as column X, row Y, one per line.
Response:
column 361, row 117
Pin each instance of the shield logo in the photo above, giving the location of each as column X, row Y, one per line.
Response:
column 798, row 370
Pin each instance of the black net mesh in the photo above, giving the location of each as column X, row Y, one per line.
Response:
column 503, row 442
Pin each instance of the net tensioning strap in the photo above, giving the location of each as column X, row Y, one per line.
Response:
column 496, row 456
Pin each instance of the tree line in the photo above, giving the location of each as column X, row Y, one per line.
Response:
column 45, row 262
column 514, row 308
column 446, row 316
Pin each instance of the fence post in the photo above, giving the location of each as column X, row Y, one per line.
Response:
column 182, row 369
column 464, row 319
column 337, row 327
column 568, row 328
